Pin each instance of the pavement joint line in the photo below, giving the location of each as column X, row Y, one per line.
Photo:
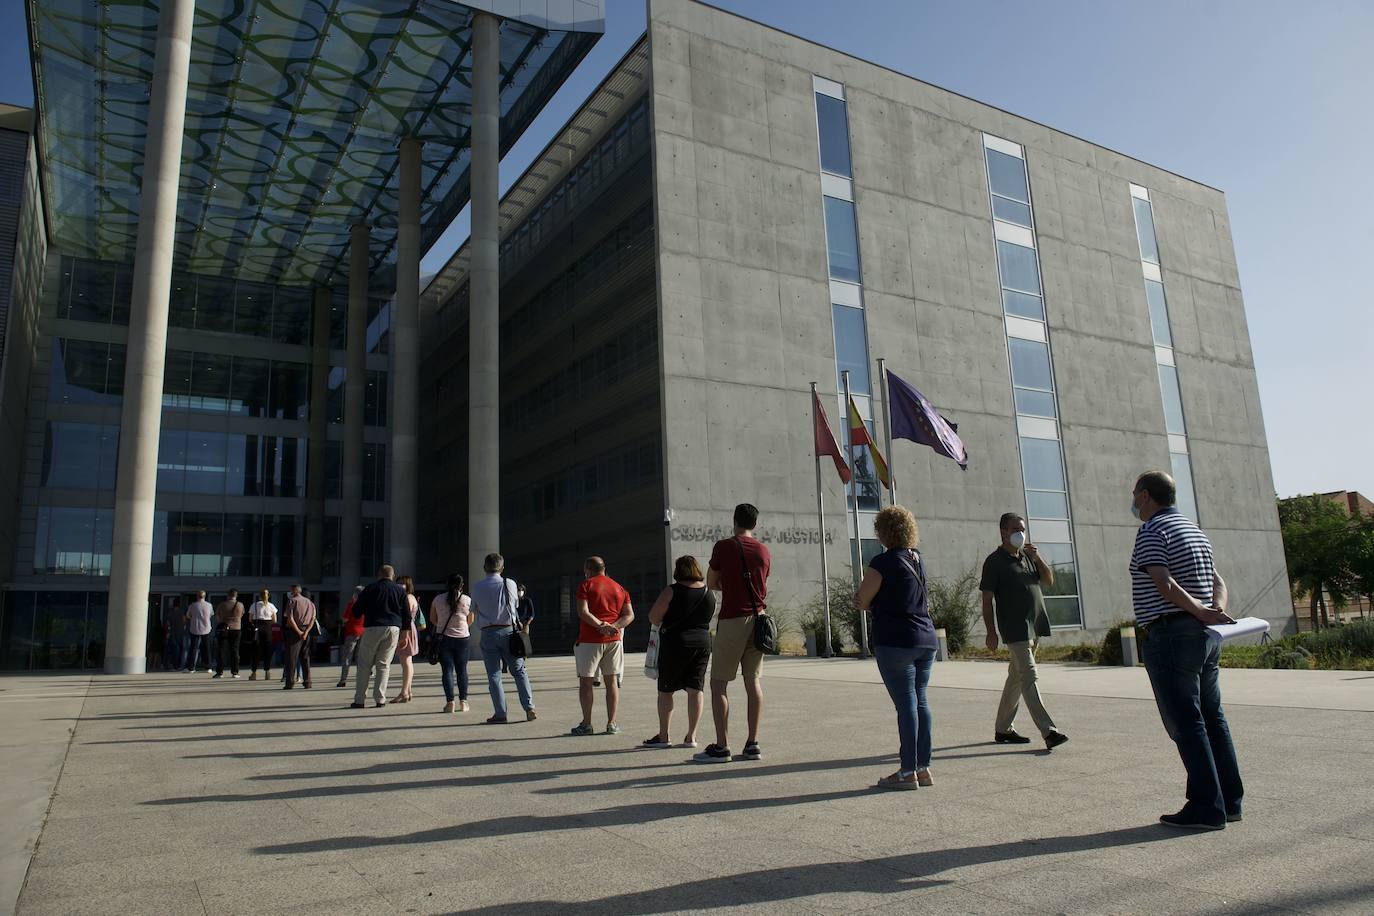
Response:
column 56, row 788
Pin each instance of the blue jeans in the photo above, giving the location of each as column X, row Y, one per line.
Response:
column 174, row 654
column 193, row 653
column 453, row 660
column 906, row 672
column 1181, row 660
column 495, row 650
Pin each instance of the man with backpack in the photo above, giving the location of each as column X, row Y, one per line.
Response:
column 739, row 570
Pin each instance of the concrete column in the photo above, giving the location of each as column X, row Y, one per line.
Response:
column 319, row 433
column 403, row 417
column 484, row 339
column 141, row 416
column 355, row 388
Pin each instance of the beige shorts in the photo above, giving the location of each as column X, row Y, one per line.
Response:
column 732, row 651
column 605, row 658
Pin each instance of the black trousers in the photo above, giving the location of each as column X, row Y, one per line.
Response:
column 229, row 650
column 297, row 650
column 262, row 647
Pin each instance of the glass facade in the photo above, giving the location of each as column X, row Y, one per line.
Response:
column 1175, row 425
column 1044, row 478
column 234, row 428
column 52, row 629
column 847, row 297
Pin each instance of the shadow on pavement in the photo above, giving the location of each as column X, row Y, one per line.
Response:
column 888, row 875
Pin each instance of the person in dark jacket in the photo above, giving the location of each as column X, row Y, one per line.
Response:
column 383, row 606
column 894, row 588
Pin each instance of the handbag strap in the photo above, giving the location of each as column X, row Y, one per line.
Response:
column 748, row 576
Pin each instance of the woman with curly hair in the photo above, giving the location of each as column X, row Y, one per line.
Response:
column 894, row 589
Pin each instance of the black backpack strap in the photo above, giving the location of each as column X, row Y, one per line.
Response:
column 748, row 576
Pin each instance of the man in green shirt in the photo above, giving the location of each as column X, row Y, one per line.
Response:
column 1012, row 577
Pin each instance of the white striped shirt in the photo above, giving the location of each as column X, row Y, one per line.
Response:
column 1169, row 539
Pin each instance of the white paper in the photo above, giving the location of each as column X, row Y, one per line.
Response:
column 1246, row 626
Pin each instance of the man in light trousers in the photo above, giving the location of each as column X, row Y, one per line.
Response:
column 1013, row 576
column 383, row 607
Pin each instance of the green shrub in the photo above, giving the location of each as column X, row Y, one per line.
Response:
column 1351, row 640
column 1110, row 653
column 1284, row 654
column 952, row 607
column 843, row 615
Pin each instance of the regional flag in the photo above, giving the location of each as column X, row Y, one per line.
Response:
column 858, row 434
column 915, row 418
column 825, row 439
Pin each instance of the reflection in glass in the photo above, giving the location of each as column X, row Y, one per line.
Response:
column 291, row 315
column 16, row 632
column 1145, row 230
column 242, row 544
column 205, row 462
column 1030, row 364
column 209, row 383
column 214, row 304
column 833, row 128
column 59, row 629
column 1060, row 560
column 248, row 386
column 374, row 471
column 851, row 348
column 289, row 393
column 1041, row 464
column 842, row 239
column 1159, row 313
column 1047, row 504
column 1063, row 612
column 86, row 372
column 1023, row 304
column 80, row 455
column 374, row 399
column 198, row 541
column 176, row 379
column 1173, row 400
column 1007, row 176
column 1018, row 267
column 1034, row 403
column 1186, row 498
column 1011, row 211
column 253, row 309
column 171, row 460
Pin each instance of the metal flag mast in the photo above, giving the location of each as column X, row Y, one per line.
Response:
column 820, row 513
column 856, row 547
column 887, row 434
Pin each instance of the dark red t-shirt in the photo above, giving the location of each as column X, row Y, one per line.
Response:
column 353, row 623
column 605, row 598
column 734, row 591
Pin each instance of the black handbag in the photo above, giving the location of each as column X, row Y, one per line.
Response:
column 437, row 639
column 519, row 645
column 765, row 627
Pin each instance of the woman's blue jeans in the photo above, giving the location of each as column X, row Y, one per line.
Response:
column 453, row 660
column 906, row 672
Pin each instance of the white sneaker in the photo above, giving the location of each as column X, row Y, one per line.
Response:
column 236, row 677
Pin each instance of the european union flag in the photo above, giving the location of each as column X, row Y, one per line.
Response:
column 915, row 418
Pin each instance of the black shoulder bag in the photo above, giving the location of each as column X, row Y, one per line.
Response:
column 765, row 627
column 519, row 648
column 437, row 639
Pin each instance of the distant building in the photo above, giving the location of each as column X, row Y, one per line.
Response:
column 737, row 212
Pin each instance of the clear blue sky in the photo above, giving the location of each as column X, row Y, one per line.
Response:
column 1269, row 100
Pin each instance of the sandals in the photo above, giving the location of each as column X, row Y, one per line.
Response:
column 897, row 781
column 402, row 698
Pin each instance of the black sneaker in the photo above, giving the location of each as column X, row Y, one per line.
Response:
column 1009, row 738
column 1054, row 739
column 714, row 753
column 1233, row 818
column 1187, row 821
column 657, row 741
column 751, row 751
column 357, row 705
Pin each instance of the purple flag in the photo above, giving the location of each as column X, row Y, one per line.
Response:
column 915, row 418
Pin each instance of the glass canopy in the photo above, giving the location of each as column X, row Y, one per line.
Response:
column 294, row 116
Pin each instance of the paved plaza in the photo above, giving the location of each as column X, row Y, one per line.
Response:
column 178, row 794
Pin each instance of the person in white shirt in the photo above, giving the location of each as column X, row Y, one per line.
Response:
column 199, row 614
column 451, row 613
column 261, row 617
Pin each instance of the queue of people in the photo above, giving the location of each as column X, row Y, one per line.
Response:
column 1177, row 594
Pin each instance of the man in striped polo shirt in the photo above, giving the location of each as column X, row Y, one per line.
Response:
column 1177, row 594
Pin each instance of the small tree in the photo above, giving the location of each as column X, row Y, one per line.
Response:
column 952, row 607
column 1319, row 543
column 1362, row 561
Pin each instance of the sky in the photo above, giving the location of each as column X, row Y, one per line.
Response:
column 1268, row 100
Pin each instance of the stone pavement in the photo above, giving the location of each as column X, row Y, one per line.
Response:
column 184, row 795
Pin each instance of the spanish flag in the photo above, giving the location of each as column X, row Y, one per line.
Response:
column 858, row 435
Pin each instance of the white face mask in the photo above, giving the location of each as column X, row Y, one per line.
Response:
column 1135, row 510
column 1017, row 539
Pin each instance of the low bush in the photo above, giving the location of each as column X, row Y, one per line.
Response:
column 1110, row 653
column 952, row 607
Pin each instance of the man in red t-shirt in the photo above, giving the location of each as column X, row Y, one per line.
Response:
column 604, row 611
column 739, row 570
column 353, row 626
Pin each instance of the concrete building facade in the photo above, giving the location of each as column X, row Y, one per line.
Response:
column 814, row 213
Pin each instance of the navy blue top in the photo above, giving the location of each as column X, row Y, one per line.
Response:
column 900, row 616
column 383, row 604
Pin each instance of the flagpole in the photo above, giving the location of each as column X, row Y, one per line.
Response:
column 856, row 546
column 820, row 513
column 887, row 433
